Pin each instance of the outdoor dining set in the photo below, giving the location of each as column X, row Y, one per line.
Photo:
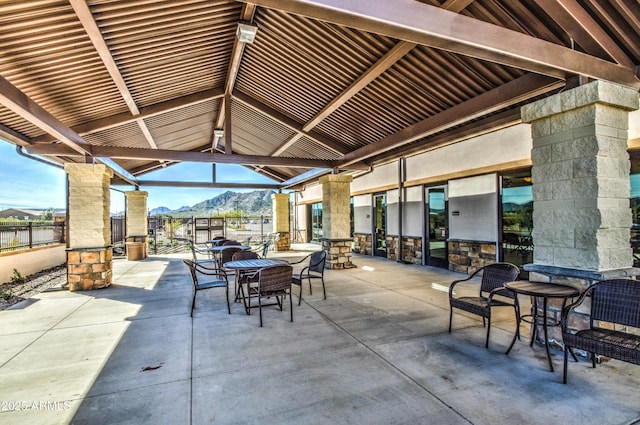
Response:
column 612, row 329
column 257, row 279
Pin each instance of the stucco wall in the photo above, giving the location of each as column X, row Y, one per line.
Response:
column 473, row 208
column 31, row 261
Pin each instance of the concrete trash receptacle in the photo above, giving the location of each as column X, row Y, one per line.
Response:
column 135, row 251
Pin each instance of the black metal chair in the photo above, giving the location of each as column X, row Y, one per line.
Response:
column 494, row 276
column 195, row 251
column 314, row 270
column 206, row 278
column 273, row 281
column 263, row 249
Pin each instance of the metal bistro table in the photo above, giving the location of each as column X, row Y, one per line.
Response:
column 250, row 265
column 545, row 291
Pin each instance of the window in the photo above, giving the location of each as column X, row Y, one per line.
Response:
column 316, row 222
column 517, row 218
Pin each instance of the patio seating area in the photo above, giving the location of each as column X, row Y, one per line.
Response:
column 376, row 351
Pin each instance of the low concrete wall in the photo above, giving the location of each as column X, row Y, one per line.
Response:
column 31, row 261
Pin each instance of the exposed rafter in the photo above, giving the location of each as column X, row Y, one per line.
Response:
column 457, row 33
column 385, row 62
column 456, row 5
column 19, row 103
column 289, row 123
column 150, row 111
column 508, row 94
column 248, row 11
column 583, row 29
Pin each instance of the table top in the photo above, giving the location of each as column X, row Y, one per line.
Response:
column 257, row 263
column 542, row 289
column 223, row 247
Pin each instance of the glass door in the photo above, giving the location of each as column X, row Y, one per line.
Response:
column 438, row 231
column 380, row 225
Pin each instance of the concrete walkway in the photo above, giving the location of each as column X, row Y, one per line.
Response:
column 377, row 351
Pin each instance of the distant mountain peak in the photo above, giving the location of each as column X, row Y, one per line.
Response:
column 254, row 203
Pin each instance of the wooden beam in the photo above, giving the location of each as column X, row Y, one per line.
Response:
column 288, row 122
column 19, row 103
column 584, row 29
column 246, row 15
column 182, row 156
column 501, row 97
column 149, row 111
column 456, row 5
column 86, row 19
column 396, row 53
column 432, row 26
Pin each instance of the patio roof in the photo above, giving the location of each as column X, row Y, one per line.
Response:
column 334, row 85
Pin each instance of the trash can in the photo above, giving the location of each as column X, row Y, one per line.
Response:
column 135, row 251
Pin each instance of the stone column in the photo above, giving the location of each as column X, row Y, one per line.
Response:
column 582, row 217
column 581, row 211
column 336, row 220
column 89, row 256
column 137, row 225
column 280, row 205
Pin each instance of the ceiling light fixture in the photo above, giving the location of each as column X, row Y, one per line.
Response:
column 218, row 133
column 246, row 33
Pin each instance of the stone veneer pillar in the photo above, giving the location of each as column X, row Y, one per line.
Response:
column 336, row 220
column 137, row 224
column 280, row 205
column 581, row 217
column 89, row 256
column 581, row 212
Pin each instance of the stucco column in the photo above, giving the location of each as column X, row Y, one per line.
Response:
column 582, row 217
column 89, row 256
column 336, row 220
column 137, row 224
column 280, row 208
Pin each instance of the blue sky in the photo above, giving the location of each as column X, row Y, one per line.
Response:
column 29, row 184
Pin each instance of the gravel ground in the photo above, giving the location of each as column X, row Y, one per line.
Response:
column 35, row 283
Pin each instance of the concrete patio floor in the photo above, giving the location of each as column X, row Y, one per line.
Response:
column 377, row 351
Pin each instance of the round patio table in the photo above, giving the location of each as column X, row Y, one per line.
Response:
column 545, row 291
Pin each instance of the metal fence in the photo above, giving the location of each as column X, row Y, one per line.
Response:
column 16, row 236
column 163, row 231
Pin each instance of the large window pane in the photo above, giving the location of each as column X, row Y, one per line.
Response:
column 517, row 219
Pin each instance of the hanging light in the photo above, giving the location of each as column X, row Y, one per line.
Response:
column 246, row 33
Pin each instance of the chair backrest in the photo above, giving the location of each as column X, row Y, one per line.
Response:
column 616, row 301
column 244, row 255
column 275, row 278
column 192, row 269
column 227, row 254
column 496, row 275
column 265, row 249
column 230, row 242
column 316, row 261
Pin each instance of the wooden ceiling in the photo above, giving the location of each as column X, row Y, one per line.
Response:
column 327, row 85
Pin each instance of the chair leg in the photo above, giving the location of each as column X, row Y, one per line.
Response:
column 450, row 317
column 291, row 304
column 486, row 344
column 193, row 302
column 593, row 360
column 300, row 296
column 260, row 308
column 564, row 373
column 228, row 305
column 324, row 291
column 310, row 290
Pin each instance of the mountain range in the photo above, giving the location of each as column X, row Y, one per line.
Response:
column 254, row 203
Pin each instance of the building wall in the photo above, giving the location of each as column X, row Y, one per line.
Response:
column 31, row 261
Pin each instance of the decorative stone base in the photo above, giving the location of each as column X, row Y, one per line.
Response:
column 362, row 243
column 89, row 268
column 283, row 243
column 412, row 250
column 339, row 254
column 392, row 247
column 469, row 256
